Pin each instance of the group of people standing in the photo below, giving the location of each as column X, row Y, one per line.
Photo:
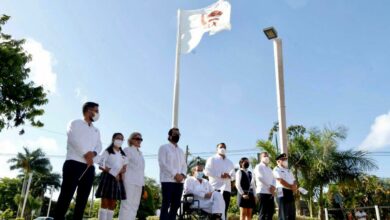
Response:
column 122, row 177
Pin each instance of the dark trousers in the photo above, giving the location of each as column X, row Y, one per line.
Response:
column 226, row 197
column 171, row 196
column 267, row 206
column 286, row 205
column 71, row 172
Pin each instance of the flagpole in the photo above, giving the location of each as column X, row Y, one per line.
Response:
column 176, row 86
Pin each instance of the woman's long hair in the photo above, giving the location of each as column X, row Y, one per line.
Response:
column 110, row 148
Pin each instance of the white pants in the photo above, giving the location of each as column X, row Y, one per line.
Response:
column 129, row 207
column 213, row 205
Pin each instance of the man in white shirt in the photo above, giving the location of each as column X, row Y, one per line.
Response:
column 173, row 170
column 220, row 171
column 210, row 200
column 78, row 171
column 265, row 187
column 285, row 186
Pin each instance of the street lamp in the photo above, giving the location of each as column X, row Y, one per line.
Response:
column 271, row 34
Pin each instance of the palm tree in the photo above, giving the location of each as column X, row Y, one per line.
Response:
column 28, row 162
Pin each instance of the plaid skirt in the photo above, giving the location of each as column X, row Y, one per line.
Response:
column 110, row 188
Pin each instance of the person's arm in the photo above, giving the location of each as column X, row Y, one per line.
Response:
column 162, row 161
column 190, row 188
column 72, row 133
column 98, row 147
column 238, row 182
column 253, row 184
column 279, row 178
column 183, row 165
column 260, row 177
column 210, row 170
column 231, row 171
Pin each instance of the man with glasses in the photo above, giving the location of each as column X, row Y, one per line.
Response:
column 220, row 171
column 286, row 187
column 83, row 145
column 173, row 168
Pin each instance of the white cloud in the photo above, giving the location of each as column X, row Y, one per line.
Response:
column 48, row 145
column 80, row 95
column 379, row 136
column 41, row 65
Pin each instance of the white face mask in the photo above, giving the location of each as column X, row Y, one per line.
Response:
column 221, row 151
column 265, row 160
column 118, row 142
column 95, row 116
column 285, row 163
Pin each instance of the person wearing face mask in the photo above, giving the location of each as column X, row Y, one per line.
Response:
column 173, row 168
column 245, row 187
column 113, row 164
column 210, row 200
column 83, row 145
column 134, row 180
column 220, row 171
column 265, row 187
column 285, row 187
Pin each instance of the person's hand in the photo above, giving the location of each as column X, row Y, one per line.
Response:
column 294, row 187
column 225, row 176
column 208, row 195
column 245, row 196
column 179, row 178
column 118, row 177
column 123, row 170
column 89, row 157
column 272, row 189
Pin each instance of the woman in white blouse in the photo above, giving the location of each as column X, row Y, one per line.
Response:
column 245, row 187
column 113, row 163
column 134, row 178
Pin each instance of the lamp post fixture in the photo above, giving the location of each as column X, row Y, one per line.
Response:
column 271, row 34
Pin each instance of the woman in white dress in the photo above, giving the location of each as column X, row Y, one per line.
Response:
column 134, row 179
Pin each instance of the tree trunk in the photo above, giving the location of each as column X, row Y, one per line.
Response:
column 297, row 196
column 321, row 204
column 311, row 203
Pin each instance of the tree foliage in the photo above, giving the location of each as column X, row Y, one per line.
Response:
column 20, row 98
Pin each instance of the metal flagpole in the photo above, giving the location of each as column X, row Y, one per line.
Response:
column 278, row 55
column 26, row 195
column 51, row 197
column 176, row 89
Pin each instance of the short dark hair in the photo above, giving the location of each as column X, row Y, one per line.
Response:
column 171, row 131
column 221, row 144
column 242, row 161
column 89, row 105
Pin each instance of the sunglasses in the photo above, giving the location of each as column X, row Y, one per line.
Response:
column 138, row 139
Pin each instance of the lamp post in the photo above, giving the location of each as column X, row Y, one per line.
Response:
column 271, row 34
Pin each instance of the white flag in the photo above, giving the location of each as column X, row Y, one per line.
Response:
column 194, row 23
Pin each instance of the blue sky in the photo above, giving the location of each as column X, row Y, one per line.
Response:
column 121, row 54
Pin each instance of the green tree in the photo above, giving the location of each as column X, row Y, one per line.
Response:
column 20, row 99
column 149, row 205
column 8, row 188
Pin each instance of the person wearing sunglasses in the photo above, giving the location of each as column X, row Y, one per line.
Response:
column 134, row 178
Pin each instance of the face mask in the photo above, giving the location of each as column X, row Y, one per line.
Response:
column 118, row 142
column 175, row 138
column 265, row 160
column 285, row 163
column 246, row 165
column 95, row 116
column 221, row 151
column 199, row 175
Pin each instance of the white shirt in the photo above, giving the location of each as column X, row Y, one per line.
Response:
column 215, row 167
column 82, row 138
column 285, row 174
column 114, row 162
column 193, row 186
column 172, row 161
column 135, row 172
column 238, row 181
column 264, row 178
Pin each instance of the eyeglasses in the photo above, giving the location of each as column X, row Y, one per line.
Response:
column 138, row 139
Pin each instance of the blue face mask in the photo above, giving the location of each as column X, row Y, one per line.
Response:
column 199, row 175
